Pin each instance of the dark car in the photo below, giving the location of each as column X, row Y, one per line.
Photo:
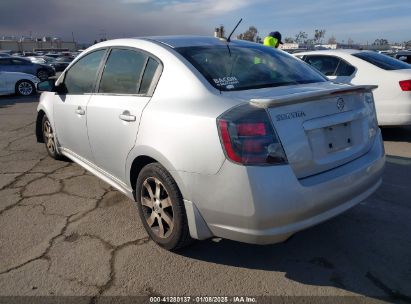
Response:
column 404, row 56
column 59, row 64
column 15, row 64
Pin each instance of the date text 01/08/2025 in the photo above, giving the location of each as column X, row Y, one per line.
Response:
column 203, row 299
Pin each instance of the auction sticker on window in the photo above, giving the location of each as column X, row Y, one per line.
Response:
column 228, row 82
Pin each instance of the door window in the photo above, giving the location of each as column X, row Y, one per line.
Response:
column 5, row 61
column 344, row 69
column 122, row 72
column 81, row 77
column 20, row 62
column 325, row 64
column 148, row 76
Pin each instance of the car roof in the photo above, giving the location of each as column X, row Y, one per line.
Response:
column 332, row 52
column 186, row 41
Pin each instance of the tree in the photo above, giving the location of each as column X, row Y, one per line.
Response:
column 407, row 44
column 289, row 40
column 380, row 42
column 249, row 35
column 332, row 40
column 318, row 35
column 301, row 37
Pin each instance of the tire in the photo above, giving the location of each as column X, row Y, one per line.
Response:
column 25, row 88
column 161, row 208
column 42, row 75
column 49, row 138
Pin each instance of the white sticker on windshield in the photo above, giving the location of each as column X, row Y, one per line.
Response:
column 226, row 81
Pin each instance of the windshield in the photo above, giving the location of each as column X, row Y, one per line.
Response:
column 382, row 61
column 248, row 67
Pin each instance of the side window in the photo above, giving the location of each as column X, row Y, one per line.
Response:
column 148, row 75
column 81, row 77
column 122, row 72
column 344, row 69
column 325, row 64
column 20, row 62
column 5, row 61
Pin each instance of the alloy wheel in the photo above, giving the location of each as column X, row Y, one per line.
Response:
column 49, row 137
column 157, row 207
column 25, row 88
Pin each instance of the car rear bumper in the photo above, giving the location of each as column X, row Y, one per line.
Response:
column 265, row 205
column 395, row 112
column 400, row 119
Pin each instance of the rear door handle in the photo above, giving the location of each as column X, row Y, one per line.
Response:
column 80, row 111
column 126, row 116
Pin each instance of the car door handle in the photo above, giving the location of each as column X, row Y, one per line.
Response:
column 80, row 111
column 126, row 116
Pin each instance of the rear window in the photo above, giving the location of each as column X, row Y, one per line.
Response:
column 248, row 67
column 382, row 61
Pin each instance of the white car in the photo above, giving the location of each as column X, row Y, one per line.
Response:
column 211, row 143
column 17, row 83
column 393, row 77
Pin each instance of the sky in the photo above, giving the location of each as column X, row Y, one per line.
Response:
column 362, row 21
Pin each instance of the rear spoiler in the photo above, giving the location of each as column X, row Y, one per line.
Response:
column 305, row 96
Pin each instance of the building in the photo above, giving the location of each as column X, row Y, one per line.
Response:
column 25, row 45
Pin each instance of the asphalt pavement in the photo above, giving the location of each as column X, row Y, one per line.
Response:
column 64, row 232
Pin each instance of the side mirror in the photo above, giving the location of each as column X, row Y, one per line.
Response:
column 46, row 86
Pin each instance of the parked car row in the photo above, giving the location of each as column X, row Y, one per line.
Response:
column 24, row 65
column 19, row 71
column 393, row 77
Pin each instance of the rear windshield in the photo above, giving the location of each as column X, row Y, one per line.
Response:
column 248, row 67
column 382, row 61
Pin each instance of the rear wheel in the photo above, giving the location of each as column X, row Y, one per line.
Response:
column 161, row 208
column 25, row 88
column 49, row 138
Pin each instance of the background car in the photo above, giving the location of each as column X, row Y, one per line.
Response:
column 211, row 143
column 17, row 83
column 403, row 56
column 393, row 77
column 60, row 63
column 17, row 64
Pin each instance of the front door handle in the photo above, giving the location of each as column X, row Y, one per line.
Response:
column 80, row 111
column 126, row 116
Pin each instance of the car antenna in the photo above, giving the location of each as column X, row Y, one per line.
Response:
column 229, row 37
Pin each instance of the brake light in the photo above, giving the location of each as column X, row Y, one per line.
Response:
column 248, row 137
column 405, row 85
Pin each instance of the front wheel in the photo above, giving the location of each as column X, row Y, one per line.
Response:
column 49, row 138
column 25, row 88
column 42, row 75
column 161, row 208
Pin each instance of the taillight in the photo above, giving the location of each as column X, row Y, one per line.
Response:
column 372, row 115
column 405, row 85
column 248, row 137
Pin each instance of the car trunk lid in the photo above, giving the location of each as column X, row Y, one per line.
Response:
column 320, row 126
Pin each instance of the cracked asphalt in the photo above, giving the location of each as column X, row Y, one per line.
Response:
column 63, row 232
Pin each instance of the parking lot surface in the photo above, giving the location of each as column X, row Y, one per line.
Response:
column 65, row 232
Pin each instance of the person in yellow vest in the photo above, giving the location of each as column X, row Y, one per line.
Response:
column 273, row 39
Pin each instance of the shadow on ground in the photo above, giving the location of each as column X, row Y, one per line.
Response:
column 7, row 101
column 366, row 250
column 397, row 134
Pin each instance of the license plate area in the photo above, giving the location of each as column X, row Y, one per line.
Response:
column 338, row 137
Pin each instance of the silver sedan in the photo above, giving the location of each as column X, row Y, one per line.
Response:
column 214, row 138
